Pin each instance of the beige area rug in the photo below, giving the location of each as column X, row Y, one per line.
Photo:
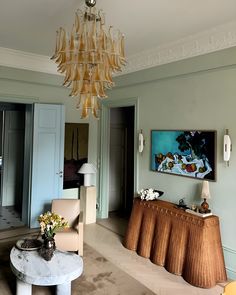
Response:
column 100, row 277
column 154, row 277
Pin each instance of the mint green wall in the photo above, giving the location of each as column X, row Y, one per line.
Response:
column 198, row 93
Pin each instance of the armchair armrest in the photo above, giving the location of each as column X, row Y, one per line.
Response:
column 80, row 221
column 80, row 229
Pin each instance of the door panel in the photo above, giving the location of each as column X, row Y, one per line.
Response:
column 13, row 154
column 47, row 164
column 29, row 122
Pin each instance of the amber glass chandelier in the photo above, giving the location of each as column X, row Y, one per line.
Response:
column 88, row 56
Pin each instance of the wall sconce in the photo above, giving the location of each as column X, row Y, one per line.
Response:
column 227, row 147
column 141, row 141
column 87, row 169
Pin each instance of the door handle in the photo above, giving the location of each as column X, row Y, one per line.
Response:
column 60, row 173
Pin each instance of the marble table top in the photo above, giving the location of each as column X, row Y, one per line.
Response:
column 31, row 268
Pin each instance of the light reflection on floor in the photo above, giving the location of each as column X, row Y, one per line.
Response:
column 115, row 222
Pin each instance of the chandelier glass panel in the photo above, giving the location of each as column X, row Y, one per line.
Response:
column 88, row 56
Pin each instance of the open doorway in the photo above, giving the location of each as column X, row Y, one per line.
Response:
column 12, row 134
column 32, row 161
column 121, row 169
column 121, row 159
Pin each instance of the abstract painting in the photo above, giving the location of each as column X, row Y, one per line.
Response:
column 184, row 152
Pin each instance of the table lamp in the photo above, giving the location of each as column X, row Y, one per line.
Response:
column 205, row 195
column 87, row 169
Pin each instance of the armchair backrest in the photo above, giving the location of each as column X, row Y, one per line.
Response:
column 67, row 208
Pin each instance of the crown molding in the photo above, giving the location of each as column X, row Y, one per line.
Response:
column 218, row 38
column 27, row 61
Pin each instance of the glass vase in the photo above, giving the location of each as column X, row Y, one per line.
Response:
column 48, row 248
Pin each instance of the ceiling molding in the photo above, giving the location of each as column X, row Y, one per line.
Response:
column 218, row 38
column 27, row 61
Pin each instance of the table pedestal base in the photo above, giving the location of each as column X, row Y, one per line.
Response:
column 23, row 288
column 64, row 289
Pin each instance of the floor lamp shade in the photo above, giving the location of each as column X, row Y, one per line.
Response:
column 87, row 169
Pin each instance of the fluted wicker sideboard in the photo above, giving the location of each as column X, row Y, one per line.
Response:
column 185, row 244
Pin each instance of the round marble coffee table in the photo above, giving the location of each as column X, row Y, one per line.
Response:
column 31, row 269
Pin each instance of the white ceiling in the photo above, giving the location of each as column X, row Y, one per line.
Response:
column 30, row 25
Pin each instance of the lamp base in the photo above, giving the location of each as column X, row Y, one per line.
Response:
column 87, row 179
column 204, row 207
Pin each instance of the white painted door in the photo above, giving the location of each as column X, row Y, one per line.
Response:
column 47, row 162
column 13, row 155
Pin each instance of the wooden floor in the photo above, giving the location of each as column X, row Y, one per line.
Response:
column 15, row 232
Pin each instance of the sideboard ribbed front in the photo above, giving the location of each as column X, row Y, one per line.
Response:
column 185, row 244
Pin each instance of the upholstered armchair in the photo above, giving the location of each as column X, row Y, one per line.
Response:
column 69, row 239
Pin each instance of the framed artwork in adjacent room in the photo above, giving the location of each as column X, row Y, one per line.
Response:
column 190, row 153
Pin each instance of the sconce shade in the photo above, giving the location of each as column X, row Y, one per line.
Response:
column 87, row 169
column 205, row 194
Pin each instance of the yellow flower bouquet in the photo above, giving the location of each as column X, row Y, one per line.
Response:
column 50, row 222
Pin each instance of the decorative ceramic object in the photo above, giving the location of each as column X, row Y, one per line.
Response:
column 29, row 244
